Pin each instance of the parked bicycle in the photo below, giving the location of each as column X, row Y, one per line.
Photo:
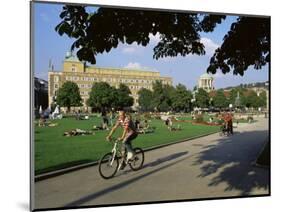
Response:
column 109, row 163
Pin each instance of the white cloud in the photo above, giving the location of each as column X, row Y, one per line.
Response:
column 132, row 65
column 138, row 66
column 220, row 75
column 132, row 49
column 210, row 46
column 41, row 75
column 129, row 50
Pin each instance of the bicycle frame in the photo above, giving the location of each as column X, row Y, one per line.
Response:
column 114, row 151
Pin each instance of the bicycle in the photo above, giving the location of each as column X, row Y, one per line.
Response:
column 225, row 130
column 109, row 163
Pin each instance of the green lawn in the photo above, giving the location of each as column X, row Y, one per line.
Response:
column 54, row 151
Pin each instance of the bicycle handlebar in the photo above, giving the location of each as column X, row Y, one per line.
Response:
column 112, row 140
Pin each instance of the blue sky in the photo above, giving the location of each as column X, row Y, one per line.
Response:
column 48, row 44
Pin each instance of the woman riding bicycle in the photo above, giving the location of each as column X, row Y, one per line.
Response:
column 129, row 134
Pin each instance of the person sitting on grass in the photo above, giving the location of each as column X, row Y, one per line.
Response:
column 42, row 121
column 129, row 134
column 145, row 128
column 169, row 124
column 104, row 120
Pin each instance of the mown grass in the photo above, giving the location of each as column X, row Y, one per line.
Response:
column 54, row 151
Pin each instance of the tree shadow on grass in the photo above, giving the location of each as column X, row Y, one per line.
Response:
column 231, row 162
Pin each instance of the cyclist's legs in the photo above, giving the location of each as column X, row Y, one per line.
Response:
column 127, row 144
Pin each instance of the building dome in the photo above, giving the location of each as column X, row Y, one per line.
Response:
column 70, row 57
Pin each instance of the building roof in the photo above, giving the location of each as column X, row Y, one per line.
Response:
column 72, row 58
column 206, row 76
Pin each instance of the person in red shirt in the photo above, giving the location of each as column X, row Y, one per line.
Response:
column 230, row 123
column 128, row 135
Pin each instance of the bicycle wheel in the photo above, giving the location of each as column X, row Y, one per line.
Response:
column 108, row 166
column 136, row 162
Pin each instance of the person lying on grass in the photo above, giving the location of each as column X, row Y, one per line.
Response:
column 77, row 131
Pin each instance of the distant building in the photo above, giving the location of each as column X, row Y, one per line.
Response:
column 206, row 82
column 84, row 76
column 40, row 93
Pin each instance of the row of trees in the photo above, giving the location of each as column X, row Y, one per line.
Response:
column 101, row 97
column 165, row 98
column 238, row 97
column 161, row 98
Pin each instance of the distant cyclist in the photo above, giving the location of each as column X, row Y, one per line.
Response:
column 129, row 134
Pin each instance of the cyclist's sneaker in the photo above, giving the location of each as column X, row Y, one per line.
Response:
column 122, row 165
column 129, row 155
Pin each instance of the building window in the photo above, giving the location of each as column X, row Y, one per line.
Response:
column 56, row 85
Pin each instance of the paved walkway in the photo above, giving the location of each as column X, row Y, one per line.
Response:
column 211, row 166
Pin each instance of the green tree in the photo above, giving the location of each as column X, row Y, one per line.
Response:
column 179, row 32
column 162, row 96
column 102, row 96
column 247, row 43
column 233, row 96
column 219, row 100
column 181, row 99
column 69, row 96
column 251, row 99
column 202, row 98
column 123, row 98
column 262, row 99
column 146, row 99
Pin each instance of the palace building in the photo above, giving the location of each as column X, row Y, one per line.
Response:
column 84, row 76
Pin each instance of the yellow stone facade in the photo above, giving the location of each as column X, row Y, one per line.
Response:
column 84, row 76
